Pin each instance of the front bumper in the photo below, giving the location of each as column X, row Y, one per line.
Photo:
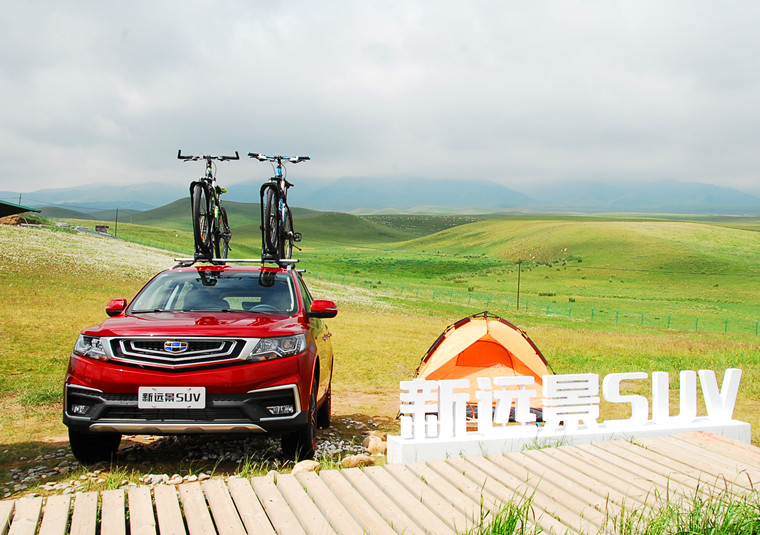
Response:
column 89, row 409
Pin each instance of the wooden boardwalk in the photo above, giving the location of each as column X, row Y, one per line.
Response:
column 572, row 488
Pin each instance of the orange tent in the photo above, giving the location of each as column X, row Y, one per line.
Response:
column 484, row 345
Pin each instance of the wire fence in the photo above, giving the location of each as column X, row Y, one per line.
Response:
column 497, row 302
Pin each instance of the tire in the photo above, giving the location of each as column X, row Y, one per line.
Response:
column 302, row 443
column 324, row 413
column 91, row 448
column 201, row 221
column 270, row 226
column 286, row 236
column 222, row 239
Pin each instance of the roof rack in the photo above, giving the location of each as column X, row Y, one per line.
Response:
column 282, row 262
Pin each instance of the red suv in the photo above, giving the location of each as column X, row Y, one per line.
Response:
column 204, row 349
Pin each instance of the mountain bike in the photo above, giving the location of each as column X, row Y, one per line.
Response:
column 277, row 235
column 211, row 229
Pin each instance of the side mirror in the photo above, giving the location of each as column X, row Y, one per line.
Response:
column 116, row 307
column 322, row 309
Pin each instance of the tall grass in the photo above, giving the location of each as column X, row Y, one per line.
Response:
column 724, row 513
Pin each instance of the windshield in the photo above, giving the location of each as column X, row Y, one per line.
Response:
column 218, row 291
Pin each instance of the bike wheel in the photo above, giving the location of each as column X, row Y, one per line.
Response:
column 222, row 241
column 201, row 221
column 286, row 234
column 270, row 226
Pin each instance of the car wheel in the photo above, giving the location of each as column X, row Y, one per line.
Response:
column 302, row 443
column 91, row 448
column 324, row 414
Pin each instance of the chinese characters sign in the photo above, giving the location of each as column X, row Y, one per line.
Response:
column 441, row 409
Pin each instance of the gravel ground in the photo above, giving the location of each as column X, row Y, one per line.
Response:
column 52, row 472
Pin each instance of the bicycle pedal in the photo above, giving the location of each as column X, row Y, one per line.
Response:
column 297, row 236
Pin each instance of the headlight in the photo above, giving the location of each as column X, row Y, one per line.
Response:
column 90, row 346
column 277, row 348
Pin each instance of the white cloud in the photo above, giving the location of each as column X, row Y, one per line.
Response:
column 515, row 92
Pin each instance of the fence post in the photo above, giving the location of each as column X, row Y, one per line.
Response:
column 570, row 311
column 547, row 309
column 469, row 299
column 725, row 329
column 488, row 303
column 592, row 313
column 617, row 316
column 668, row 321
column 756, row 323
column 696, row 325
column 526, row 306
column 642, row 319
column 451, row 296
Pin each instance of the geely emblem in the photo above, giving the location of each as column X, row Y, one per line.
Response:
column 174, row 346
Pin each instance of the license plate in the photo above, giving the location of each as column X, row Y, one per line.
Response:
column 171, row 397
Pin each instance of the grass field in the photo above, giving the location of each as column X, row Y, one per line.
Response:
column 399, row 281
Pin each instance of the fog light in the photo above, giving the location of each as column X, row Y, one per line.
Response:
column 79, row 409
column 280, row 410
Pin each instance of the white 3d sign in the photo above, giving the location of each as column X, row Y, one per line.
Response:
column 438, row 409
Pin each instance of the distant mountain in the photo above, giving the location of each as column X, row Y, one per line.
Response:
column 419, row 196
column 409, row 193
column 665, row 196
column 96, row 197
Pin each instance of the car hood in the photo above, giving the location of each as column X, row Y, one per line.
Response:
column 177, row 324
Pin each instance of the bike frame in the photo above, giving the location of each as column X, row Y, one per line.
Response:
column 280, row 186
column 212, row 194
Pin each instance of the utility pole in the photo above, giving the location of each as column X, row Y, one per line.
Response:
column 519, row 269
column 116, row 228
column 19, row 199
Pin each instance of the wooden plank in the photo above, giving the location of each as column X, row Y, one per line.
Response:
column 676, row 481
column 249, row 508
column 363, row 512
column 194, row 505
column 222, row 507
column 55, row 515
column 113, row 519
column 617, row 482
column 26, row 516
column 506, row 488
column 674, row 458
column 168, row 512
column 6, row 511
column 84, row 519
column 141, row 518
column 412, row 505
column 714, row 463
column 338, row 516
column 555, row 486
column 435, row 502
column 470, row 508
column 282, row 518
column 391, row 512
column 474, row 492
column 735, row 449
column 311, row 518
column 662, row 486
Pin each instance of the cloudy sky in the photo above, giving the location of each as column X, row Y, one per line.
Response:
column 515, row 92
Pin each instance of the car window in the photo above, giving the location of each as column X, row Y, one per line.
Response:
column 218, row 291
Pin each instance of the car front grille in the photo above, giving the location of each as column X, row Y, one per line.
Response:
column 175, row 353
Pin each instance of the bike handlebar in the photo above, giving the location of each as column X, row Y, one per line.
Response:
column 188, row 157
column 278, row 159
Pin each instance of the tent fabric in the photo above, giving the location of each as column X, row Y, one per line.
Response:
column 484, row 345
column 9, row 208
